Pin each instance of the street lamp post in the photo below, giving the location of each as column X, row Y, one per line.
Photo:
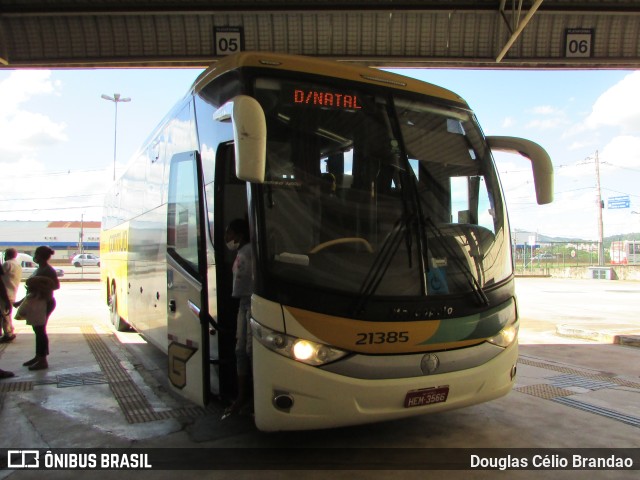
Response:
column 115, row 99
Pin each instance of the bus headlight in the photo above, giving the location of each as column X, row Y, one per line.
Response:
column 505, row 337
column 509, row 333
column 305, row 351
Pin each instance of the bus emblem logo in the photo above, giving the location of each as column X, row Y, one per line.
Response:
column 429, row 363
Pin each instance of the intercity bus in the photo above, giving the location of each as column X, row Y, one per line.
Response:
column 384, row 283
column 625, row 252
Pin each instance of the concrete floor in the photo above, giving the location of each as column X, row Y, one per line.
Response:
column 108, row 390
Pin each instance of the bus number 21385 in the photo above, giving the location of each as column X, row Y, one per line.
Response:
column 370, row 338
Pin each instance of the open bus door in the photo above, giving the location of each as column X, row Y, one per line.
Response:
column 187, row 307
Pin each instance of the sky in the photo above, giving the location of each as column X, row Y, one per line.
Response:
column 57, row 138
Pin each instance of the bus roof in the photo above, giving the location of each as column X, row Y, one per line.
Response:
column 324, row 67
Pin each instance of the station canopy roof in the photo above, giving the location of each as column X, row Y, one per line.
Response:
column 383, row 33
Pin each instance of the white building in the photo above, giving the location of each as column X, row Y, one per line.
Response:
column 66, row 238
column 519, row 238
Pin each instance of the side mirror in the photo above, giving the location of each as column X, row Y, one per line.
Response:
column 249, row 136
column 540, row 163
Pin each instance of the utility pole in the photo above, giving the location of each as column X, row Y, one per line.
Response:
column 600, row 206
column 81, row 242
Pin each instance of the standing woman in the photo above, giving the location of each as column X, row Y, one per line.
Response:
column 34, row 309
column 42, row 256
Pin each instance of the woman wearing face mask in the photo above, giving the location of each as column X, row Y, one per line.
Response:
column 237, row 239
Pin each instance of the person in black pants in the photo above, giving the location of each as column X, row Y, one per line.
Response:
column 41, row 256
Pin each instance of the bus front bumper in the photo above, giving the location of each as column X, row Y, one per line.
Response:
column 289, row 395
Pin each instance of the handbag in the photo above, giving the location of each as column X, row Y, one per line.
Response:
column 33, row 310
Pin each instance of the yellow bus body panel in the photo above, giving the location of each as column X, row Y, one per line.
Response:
column 114, row 257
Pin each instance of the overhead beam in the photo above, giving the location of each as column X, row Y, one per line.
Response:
column 371, row 61
column 519, row 29
column 61, row 8
column 86, row 34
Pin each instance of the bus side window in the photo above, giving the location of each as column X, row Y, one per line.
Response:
column 183, row 212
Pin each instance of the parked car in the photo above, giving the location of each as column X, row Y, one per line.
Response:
column 85, row 260
column 29, row 266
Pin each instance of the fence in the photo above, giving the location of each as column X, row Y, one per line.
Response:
column 568, row 260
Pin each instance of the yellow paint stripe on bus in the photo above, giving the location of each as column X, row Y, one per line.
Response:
column 373, row 337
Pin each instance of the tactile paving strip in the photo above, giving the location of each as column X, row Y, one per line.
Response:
column 579, row 381
column 548, row 392
column 131, row 400
column 604, row 412
column 79, row 379
column 61, row 381
column 593, row 376
column 577, row 378
column 6, row 387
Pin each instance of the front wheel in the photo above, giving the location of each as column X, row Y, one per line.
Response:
column 116, row 320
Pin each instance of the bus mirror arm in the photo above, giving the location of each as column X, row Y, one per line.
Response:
column 249, row 136
column 540, row 162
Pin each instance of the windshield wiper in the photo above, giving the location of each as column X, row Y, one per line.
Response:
column 382, row 261
column 392, row 242
column 423, row 242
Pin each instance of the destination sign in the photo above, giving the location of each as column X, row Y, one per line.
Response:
column 326, row 99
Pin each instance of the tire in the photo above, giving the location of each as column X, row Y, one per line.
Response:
column 77, row 265
column 116, row 320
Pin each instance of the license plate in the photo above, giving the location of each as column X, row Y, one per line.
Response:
column 426, row 396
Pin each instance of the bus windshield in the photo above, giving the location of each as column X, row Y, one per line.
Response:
column 378, row 192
